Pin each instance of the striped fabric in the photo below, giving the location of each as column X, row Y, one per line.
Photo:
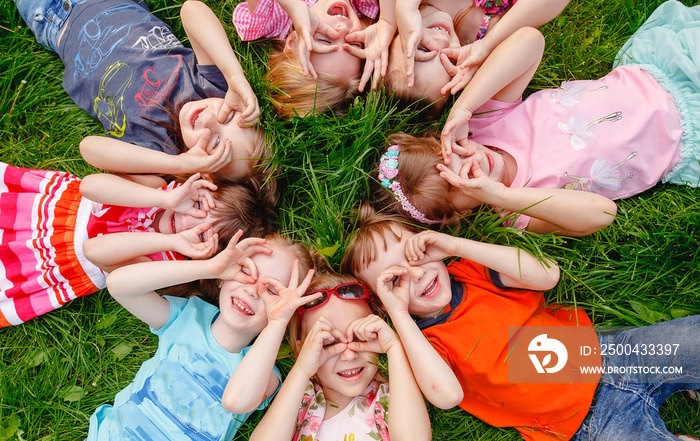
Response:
column 269, row 20
column 44, row 222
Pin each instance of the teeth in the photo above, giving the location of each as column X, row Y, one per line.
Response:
column 241, row 307
column 350, row 372
column 430, row 287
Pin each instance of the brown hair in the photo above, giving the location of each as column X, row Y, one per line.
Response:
column 325, row 279
column 293, row 93
column 419, row 179
column 362, row 248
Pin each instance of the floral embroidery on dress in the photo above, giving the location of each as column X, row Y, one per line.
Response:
column 372, row 405
column 567, row 94
column 604, row 174
column 577, row 130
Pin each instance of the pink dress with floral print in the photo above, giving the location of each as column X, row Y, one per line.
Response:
column 363, row 419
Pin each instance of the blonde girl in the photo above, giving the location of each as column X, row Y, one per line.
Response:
column 213, row 366
column 336, row 340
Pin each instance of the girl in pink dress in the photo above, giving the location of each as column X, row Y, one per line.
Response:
column 60, row 236
column 613, row 137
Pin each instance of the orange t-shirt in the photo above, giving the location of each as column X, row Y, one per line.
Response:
column 474, row 341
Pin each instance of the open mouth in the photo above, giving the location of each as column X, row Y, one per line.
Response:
column 351, row 373
column 441, row 27
column 172, row 223
column 338, row 10
column 241, row 306
column 431, row 289
column 195, row 117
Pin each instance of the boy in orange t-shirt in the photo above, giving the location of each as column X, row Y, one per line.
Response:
column 464, row 325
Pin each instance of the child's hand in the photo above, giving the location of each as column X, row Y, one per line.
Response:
column 306, row 24
column 410, row 26
column 193, row 197
column 371, row 334
column 429, row 246
column 234, row 263
column 376, row 39
column 205, row 159
column 197, row 243
column 392, row 289
column 281, row 302
column 322, row 342
column 467, row 60
column 472, row 181
column 240, row 96
column 455, row 131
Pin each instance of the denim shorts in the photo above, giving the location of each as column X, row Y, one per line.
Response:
column 626, row 406
column 46, row 18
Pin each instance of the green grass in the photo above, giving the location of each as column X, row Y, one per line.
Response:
column 55, row 370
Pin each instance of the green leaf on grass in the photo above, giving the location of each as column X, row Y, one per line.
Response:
column 106, row 321
column 649, row 315
column 72, row 393
column 7, row 432
column 121, row 350
column 36, row 357
column 329, row 251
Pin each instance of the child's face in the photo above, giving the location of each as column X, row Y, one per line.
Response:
column 241, row 307
column 172, row 222
column 428, row 71
column 428, row 284
column 493, row 167
column 349, row 373
column 195, row 116
column 339, row 15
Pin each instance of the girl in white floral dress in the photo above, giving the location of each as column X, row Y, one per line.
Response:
column 343, row 395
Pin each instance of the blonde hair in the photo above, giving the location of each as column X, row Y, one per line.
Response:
column 419, row 179
column 362, row 249
column 293, row 93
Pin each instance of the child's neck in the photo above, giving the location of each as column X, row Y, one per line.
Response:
column 230, row 341
column 335, row 402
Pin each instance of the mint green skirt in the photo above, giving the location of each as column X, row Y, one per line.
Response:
column 667, row 45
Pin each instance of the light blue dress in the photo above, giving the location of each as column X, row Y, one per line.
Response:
column 176, row 395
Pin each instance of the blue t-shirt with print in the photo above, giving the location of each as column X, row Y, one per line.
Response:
column 176, row 395
column 125, row 67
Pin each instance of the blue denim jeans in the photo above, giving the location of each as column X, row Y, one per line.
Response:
column 626, row 406
column 46, row 18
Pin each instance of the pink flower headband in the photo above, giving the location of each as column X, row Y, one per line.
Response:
column 388, row 170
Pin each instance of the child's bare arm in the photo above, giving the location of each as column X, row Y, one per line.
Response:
column 280, row 419
column 525, row 13
column 133, row 286
column 211, row 46
column 408, row 417
column 434, row 376
column 193, row 197
column 504, row 76
column 111, row 251
column 122, row 157
column 516, row 267
column 566, row 212
column 253, row 380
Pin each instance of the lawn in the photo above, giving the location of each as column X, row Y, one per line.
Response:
column 55, row 370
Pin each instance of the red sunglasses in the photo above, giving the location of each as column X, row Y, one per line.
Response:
column 344, row 291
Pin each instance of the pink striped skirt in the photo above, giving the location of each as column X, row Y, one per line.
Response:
column 43, row 225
